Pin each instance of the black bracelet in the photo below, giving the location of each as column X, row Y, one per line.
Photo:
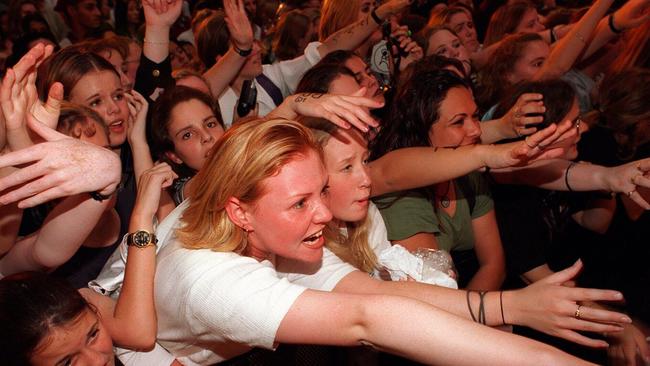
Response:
column 566, row 175
column 481, row 308
column 243, row 53
column 503, row 318
column 375, row 17
column 98, row 196
column 612, row 27
column 469, row 305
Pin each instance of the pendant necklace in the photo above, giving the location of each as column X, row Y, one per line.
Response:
column 445, row 201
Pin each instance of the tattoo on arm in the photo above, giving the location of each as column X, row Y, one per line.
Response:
column 301, row 98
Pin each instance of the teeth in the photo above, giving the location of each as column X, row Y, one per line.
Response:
column 314, row 237
column 118, row 123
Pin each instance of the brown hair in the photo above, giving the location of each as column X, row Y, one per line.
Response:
column 68, row 66
column 73, row 115
column 441, row 16
column 240, row 161
column 212, row 38
column 290, row 30
column 493, row 77
column 335, row 15
column 505, row 20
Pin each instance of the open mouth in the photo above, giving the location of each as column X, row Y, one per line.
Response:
column 314, row 240
column 116, row 125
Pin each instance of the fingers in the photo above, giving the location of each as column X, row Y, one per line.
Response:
column 564, row 275
column 48, row 134
column 581, row 339
column 592, row 326
column 600, row 316
column 16, row 178
column 46, row 196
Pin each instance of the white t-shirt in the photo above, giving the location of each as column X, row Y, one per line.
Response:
column 213, row 306
column 284, row 74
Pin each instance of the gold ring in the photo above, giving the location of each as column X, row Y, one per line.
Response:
column 577, row 313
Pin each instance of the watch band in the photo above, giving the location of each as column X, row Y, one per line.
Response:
column 243, row 53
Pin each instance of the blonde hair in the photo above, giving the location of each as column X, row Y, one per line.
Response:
column 240, row 161
column 353, row 248
column 335, row 15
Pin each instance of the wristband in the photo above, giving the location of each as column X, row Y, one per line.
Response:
column 98, row 196
column 243, row 53
column 553, row 35
column 612, row 27
column 375, row 17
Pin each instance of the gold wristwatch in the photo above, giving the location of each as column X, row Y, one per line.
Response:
column 141, row 239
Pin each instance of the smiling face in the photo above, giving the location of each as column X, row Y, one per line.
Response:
column 533, row 57
column 193, row 128
column 445, row 43
column 458, row 124
column 364, row 77
column 288, row 219
column 83, row 341
column 462, row 24
column 102, row 91
column 346, row 161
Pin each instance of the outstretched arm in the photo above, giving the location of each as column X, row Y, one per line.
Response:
column 423, row 333
column 411, row 167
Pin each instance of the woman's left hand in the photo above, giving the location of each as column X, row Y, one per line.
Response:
column 137, row 123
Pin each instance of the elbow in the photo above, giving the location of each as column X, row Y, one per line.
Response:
column 142, row 342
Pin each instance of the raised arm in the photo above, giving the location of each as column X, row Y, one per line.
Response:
column 132, row 321
column 159, row 18
column 567, row 50
column 352, row 36
column 411, row 167
column 221, row 74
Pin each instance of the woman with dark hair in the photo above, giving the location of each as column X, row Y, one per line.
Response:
column 292, row 33
column 436, row 109
column 518, row 17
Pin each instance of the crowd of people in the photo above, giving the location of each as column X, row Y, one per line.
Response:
column 200, row 182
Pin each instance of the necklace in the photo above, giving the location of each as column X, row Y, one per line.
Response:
column 445, row 201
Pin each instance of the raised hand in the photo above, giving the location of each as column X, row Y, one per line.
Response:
column 549, row 306
column 18, row 96
column 239, row 26
column 161, row 13
column 150, row 187
column 60, row 167
column 517, row 122
column 137, row 124
column 632, row 14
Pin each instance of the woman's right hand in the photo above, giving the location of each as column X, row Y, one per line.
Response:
column 535, row 147
column 517, row 121
column 549, row 306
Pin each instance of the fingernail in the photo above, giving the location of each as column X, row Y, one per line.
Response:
column 626, row 319
column 618, row 296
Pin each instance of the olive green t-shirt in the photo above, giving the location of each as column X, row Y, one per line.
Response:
column 408, row 213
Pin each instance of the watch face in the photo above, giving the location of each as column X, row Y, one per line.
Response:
column 141, row 238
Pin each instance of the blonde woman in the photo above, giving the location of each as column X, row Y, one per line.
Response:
column 259, row 201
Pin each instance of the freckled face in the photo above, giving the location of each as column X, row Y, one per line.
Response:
column 288, row 219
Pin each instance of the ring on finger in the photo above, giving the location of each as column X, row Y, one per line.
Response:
column 577, row 312
column 629, row 194
column 634, row 177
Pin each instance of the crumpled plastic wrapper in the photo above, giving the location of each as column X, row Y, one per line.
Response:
column 427, row 265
